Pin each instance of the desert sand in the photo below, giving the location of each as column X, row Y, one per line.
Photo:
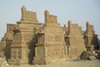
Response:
column 71, row 63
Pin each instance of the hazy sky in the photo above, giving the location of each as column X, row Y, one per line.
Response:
column 78, row 11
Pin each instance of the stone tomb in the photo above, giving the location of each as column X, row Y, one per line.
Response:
column 30, row 41
column 91, row 40
column 24, row 38
column 74, row 39
column 51, row 45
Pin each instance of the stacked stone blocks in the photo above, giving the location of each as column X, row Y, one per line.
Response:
column 29, row 41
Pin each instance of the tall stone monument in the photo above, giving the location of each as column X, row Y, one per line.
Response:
column 24, row 38
column 91, row 40
column 51, row 45
column 74, row 40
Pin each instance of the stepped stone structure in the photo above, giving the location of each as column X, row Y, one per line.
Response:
column 75, row 39
column 51, row 45
column 24, row 38
column 91, row 40
column 30, row 41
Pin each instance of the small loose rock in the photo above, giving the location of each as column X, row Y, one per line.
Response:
column 3, row 62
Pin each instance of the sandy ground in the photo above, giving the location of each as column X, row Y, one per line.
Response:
column 72, row 63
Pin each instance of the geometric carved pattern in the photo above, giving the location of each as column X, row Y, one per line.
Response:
column 55, row 51
column 18, row 53
column 40, row 51
column 24, row 55
column 13, row 53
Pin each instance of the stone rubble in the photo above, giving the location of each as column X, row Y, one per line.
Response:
column 89, row 55
column 3, row 62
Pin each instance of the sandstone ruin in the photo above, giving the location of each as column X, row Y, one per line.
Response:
column 30, row 41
